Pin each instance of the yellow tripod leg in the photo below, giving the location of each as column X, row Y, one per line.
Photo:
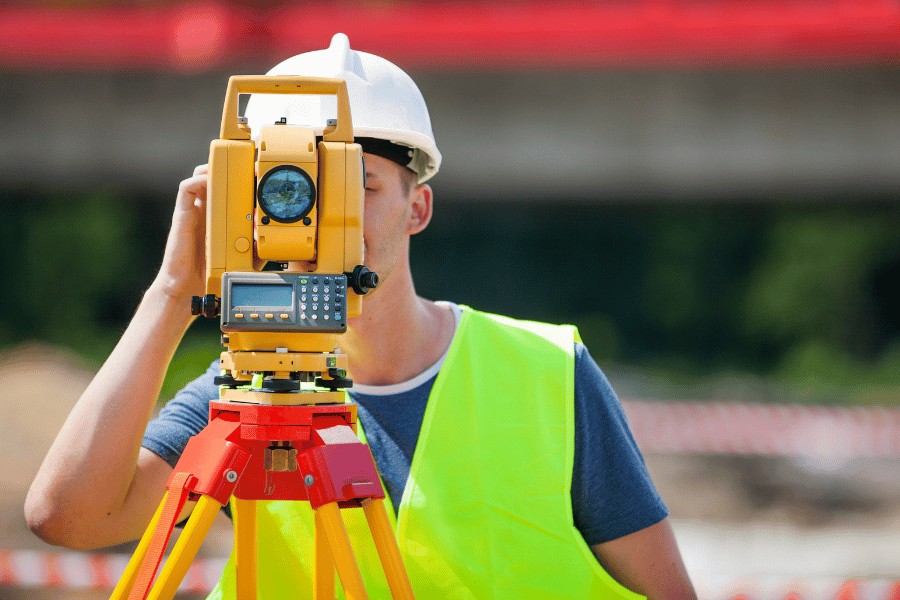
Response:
column 129, row 576
column 245, row 561
column 386, row 543
column 323, row 583
column 329, row 517
column 185, row 549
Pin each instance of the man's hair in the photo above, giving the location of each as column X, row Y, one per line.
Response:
column 408, row 179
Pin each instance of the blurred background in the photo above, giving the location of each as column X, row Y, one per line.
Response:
column 708, row 189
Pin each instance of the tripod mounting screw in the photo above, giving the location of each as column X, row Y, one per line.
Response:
column 309, row 480
column 280, row 385
column 231, row 476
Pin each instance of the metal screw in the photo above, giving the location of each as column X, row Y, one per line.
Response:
column 231, row 476
column 308, row 480
column 249, row 217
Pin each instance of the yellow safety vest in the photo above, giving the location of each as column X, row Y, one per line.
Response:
column 487, row 509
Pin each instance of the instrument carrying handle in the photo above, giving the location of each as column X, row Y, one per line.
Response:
column 283, row 84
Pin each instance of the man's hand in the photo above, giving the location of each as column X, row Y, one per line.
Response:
column 183, row 269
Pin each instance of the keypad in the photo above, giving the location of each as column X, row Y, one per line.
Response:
column 321, row 303
column 318, row 304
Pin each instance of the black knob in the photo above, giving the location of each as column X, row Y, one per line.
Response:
column 338, row 383
column 225, row 380
column 280, row 385
column 196, row 305
column 362, row 280
column 209, row 306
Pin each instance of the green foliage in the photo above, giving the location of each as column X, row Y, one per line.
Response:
column 804, row 296
column 600, row 333
column 197, row 350
column 761, row 299
column 812, row 282
column 818, row 371
column 814, row 296
column 72, row 268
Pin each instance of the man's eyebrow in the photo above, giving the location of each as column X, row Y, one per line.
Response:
column 371, row 175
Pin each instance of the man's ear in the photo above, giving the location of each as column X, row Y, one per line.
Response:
column 421, row 209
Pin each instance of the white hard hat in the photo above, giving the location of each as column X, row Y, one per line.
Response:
column 385, row 103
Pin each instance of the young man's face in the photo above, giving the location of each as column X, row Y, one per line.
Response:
column 388, row 216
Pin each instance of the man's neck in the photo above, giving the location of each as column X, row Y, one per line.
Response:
column 398, row 335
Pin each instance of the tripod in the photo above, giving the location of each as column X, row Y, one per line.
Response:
column 292, row 451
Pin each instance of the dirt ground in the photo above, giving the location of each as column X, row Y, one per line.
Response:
column 41, row 384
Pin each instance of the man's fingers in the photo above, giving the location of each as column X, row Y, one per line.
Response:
column 192, row 188
column 201, row 170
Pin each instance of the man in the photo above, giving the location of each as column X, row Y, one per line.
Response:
column 505, row 454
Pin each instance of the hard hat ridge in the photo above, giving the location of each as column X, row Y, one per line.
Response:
column 385, row 102
column 340, row 49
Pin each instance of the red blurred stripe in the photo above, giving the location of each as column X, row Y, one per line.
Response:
column 101, row 571
column 458, row 34
column 649, row 32
column 7, row 577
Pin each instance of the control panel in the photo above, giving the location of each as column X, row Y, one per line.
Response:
column 273, row 301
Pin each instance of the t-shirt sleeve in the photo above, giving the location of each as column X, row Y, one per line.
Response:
column 612, row 493
column 182, row 417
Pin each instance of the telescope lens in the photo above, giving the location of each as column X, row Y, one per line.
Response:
column 286, row 194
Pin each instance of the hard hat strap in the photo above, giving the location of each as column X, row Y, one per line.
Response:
column 402, row 155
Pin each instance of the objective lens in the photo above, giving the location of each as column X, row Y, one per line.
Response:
column 286, row 194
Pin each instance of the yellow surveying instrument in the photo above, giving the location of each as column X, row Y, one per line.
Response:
column 282, row 429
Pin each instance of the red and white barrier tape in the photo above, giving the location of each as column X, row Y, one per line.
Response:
column 821, row 589
column 76, row 570
column 765, row 429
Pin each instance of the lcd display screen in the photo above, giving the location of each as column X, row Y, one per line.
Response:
column 254, row 294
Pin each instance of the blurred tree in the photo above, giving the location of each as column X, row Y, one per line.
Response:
column 74, row 256
column 808, row 295
column 822, row 277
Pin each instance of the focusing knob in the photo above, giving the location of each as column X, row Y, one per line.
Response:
column 362, row 280
column 196, row 305
column 209, row 306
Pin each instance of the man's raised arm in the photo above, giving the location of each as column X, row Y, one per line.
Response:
column 97, row 486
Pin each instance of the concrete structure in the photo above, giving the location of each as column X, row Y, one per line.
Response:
column 587, row 135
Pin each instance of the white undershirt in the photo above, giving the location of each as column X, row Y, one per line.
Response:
column 410, row 384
